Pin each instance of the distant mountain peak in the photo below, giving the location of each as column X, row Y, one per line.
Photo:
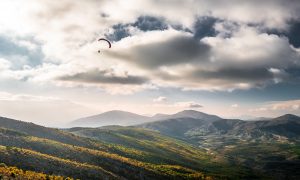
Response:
column 290, row 116
column 114, row 117
column 195, row 114
column 287, row 117
column 190, row 111
column 117, row 112
column 158, row 115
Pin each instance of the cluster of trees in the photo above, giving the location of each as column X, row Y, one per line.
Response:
column 16, row 173
column 101, row 161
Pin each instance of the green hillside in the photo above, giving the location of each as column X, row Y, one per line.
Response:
column 16, row 173
column 116, row 152
column 267, row 147
column 156, row 148
column 97, row 160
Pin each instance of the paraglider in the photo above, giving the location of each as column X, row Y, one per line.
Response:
column 102, row 39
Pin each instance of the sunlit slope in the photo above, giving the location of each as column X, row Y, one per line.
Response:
column 156, row 148
column 7, row 172
column 102, row 160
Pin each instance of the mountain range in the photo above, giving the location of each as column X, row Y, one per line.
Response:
column 287, row 126
column 124, row 118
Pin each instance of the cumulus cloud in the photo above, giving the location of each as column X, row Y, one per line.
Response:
column 246, row 59
column 6, row 96
column 220, row 45
column 160, row 99
column 104, row 77
column 20, row 51
column 278, row 107
column 188, row 105
column 143, row 23
column 234, row 106
column 204, row 27
column 175, row 48
column 195, row 45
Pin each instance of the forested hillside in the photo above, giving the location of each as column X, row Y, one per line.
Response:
column 84, row 158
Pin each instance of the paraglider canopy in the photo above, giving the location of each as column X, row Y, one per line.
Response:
column 102, row 39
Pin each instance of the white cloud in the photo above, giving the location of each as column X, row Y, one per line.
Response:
column 188, row 105
column 4, row 64
column 69, row 41
column 278, row 108
column 160, row 99
column 234, row 106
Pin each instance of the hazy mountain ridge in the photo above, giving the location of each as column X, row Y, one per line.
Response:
column 115, row 117
column 124, row 118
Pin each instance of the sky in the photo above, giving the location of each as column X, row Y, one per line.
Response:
column 233, row 58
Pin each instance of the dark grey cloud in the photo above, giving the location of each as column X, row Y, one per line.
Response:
column 150, row 23
column 104, row 15
column 104, row 77
column 120, row 31
column 233, row 74
column 292, row 33
column 195, row 105
column 143, row 23
column 11, row 49
column 204, row 27
column 178, row 50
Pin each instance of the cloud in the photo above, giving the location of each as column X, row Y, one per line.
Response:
column 246, row 59
column 220, row 45
column 21, row 51
column 4, row 64
column 234, row 106
column 177, row 48
column 188, row 105
column 204, row 27
column 143, row 23
column 291, row 32
column 150, row 23
column 195, row 105
column 104, row 77
column 160, row 99
column 119, row 31
column 5, row 96
column 278, row 107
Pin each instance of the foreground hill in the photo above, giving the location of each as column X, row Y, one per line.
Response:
column 85, row 158
column 269, row 146
column 15, row 173
column 154, row 148
column 180, row 148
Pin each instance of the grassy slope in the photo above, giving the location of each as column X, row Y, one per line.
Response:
column 16, row 173
column 31, row 160
column 91, row 159
column 155, row 148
